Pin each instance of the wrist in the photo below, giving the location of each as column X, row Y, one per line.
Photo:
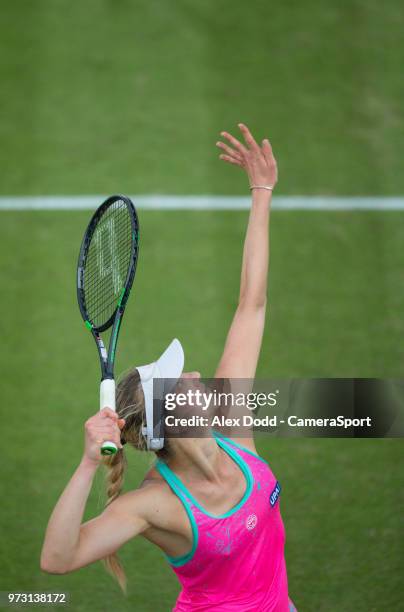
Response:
column 88, row 465
column 263, row 187
column 261, row 195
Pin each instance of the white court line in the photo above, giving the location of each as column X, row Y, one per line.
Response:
column 203, row 202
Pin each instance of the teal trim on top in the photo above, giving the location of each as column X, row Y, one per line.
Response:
column 167, row 475
column 240, row 446
column 245, row 468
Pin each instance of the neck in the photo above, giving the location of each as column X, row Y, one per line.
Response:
column 195, row 457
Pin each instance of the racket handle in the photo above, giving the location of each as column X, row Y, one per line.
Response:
column 107, row 400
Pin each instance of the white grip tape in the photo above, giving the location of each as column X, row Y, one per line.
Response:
column 107, row 394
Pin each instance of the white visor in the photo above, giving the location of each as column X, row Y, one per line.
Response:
column 169, row 366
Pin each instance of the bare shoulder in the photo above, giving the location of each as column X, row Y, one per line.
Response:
column 153, row 500
column 152, row 494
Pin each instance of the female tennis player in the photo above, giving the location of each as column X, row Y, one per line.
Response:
column 210, row 504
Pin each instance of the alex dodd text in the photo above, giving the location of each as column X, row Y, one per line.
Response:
column 267, row 421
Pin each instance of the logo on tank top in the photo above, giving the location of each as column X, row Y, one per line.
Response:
column 273, row 498
column 251, row 522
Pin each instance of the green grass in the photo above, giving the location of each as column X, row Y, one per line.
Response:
column 335, row 304
column 103, row 97
column 335, row 292
column 127, row 96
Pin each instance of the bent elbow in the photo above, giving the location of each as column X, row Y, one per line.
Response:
column 51, row 567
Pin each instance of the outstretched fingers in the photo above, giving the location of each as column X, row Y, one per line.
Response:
column 235, row 143
column 249, row 138
column 231, row 160
column 231, row 152
column 256, row 159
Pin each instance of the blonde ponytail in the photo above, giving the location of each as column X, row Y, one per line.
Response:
column 115, row 465
column 129, row 406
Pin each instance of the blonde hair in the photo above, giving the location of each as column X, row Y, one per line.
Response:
column 129, row 406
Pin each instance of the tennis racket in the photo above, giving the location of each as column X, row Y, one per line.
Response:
column 105, row 272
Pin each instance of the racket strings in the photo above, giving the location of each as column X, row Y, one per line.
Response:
column 108, row 259
column 102, row 293
column 107, row 263
column 120, row 235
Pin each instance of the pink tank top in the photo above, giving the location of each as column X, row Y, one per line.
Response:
column 237, row 559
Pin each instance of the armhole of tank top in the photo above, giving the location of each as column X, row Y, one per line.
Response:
column 237, row 445
column 167, row 475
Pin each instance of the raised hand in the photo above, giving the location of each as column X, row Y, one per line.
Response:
column 258, row 161
column 104, row 426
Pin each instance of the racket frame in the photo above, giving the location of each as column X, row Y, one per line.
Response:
column 107, row 357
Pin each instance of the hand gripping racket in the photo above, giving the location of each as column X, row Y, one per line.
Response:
column 105, row 273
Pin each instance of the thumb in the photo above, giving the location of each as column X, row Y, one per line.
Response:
column 121, row 423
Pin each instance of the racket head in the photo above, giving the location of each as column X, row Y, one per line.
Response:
column 107, row 262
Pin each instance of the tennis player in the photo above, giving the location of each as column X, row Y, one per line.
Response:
column 210, row 504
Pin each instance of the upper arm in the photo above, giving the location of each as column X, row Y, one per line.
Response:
column 239, row 361
column 103, row 535
column 243, row 343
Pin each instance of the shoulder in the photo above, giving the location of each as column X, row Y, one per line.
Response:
column 153, row 500
column 152, row 492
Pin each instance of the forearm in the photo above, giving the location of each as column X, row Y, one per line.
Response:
column 254, row 270
column 63, row 530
